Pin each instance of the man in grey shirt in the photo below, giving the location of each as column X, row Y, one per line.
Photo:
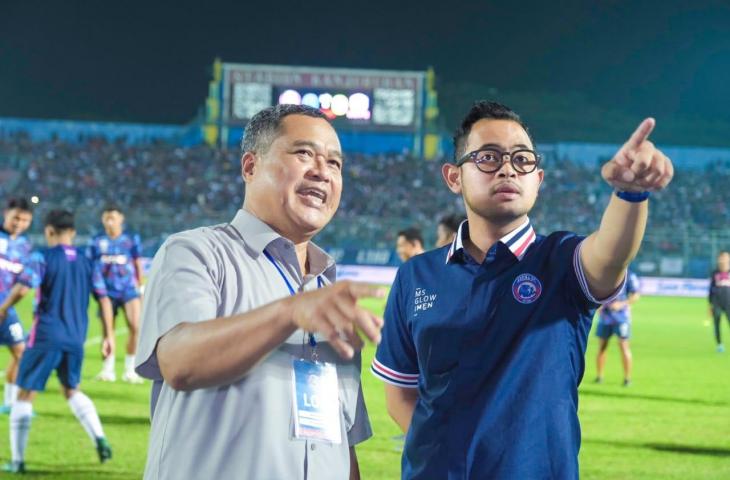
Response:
column 232, row 311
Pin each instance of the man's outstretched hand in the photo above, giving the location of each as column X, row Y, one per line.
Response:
column 333, row 312
column 639, row 166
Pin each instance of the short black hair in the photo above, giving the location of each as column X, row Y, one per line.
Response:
column 19, row 204
column 60, row 220
column 263, row 127
column 411, row 234
column 111, row 207
column 483, row 109
column 452, row 221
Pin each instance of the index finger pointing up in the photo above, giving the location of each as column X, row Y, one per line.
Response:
column 642, row 133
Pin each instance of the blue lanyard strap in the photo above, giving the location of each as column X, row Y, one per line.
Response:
column 320, row 284
column 281, row 272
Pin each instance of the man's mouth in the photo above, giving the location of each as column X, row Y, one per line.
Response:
column 507, row 188
column 314, row 196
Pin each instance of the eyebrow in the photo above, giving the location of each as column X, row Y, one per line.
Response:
column 314, row 146
column 519, row 146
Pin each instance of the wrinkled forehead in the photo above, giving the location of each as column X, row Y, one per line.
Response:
column 315, row 132
column 505, row 135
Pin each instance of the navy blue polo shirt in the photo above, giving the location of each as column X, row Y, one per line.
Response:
column 496, row 351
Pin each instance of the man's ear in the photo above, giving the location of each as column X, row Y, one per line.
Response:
column 249, row 162
column 452, row 176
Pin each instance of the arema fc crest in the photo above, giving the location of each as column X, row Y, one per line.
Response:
column 526, row 288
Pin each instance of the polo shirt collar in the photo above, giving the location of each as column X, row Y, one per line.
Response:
column 518, row 240
column 321, row 262
column 258, row 235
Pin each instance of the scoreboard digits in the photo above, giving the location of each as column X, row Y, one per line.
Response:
column 352, row 98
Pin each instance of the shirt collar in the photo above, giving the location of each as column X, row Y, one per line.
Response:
column 258, row 235
column 321, row 263
column 518, row 240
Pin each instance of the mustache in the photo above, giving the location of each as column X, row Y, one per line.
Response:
column 507, row 186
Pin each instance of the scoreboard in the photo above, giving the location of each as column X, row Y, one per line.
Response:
column 354, row 99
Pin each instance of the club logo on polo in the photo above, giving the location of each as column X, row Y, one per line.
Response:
column 526, row 288
column 423, row 300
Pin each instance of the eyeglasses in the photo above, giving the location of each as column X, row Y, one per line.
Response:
column 490, row 160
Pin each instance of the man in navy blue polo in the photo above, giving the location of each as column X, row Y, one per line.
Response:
column 484, row 339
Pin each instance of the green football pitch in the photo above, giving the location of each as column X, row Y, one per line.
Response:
column 673, row 422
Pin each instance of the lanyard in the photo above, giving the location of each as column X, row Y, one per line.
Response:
column 320, row 284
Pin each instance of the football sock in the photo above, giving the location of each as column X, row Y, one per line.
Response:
column 85, row 411
column 129, row 363
column 109, row 364
column 11, row 393
column 21, row 415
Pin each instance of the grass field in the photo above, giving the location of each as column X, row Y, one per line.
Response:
column 672, row 423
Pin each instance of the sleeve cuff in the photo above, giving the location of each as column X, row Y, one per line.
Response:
column 578, row 266
column 388, row 375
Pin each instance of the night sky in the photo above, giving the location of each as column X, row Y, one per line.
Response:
column 150, row 61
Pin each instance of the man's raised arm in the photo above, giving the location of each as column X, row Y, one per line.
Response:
column 637, row 169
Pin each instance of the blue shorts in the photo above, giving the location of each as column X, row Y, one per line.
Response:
column 129, row 293
column 621, row 330
column 120, row 299
column 11, row 330
column 37, row 365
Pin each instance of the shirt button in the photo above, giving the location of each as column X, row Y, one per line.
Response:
column 313, row 447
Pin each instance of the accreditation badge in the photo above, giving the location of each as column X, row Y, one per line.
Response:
column 316, row 401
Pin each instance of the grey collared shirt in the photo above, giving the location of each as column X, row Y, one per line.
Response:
column 243, row 430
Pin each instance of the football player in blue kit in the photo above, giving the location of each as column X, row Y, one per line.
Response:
column 119, row 253
column 15, row 251
column 614, row 318
column 63, row 279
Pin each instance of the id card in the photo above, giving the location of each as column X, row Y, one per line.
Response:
column 316, row 401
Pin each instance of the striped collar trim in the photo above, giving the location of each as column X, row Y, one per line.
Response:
column 518, row 240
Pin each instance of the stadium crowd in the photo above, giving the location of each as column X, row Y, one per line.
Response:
column 168, row 188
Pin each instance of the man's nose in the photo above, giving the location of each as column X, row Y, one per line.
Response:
column 506, row 169
column 320, row 169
